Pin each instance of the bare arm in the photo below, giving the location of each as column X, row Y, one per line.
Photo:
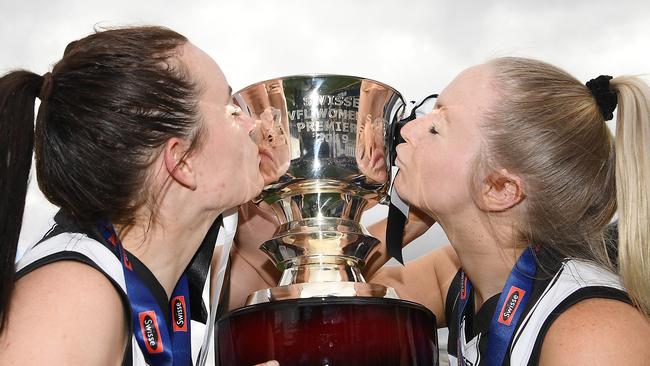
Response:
column 250, row 268
column 425, row 280
column 417, row 224
column 598, row 332
column 64, row 313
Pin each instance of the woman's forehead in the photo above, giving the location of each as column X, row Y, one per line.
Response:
column 206, row 72
column 472, row 89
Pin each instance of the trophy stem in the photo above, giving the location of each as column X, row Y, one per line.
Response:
column 321, row 268
column 322, row 249
column 320, row 257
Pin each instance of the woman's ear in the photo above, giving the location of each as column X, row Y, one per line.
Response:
column 501, row 191
column 176, row 163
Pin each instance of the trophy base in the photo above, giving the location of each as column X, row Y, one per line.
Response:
column 353, row 331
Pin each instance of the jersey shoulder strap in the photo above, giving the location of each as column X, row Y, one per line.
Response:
column 576, row 280
column 59, row 244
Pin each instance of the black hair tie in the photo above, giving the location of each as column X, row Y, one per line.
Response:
column 46, row 87
column 606, row 98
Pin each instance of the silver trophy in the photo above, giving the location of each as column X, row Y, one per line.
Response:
column 324, row 142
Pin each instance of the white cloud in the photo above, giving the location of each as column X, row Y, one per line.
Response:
column 415, row 46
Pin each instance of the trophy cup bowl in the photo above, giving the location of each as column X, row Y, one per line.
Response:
column 325, row 144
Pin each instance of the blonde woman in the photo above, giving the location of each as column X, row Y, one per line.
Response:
column 518, row 166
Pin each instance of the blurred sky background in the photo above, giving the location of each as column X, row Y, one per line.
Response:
column 416, row 46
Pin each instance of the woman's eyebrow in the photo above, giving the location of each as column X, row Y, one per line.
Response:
column 444, row 111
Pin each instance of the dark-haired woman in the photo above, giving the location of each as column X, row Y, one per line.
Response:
column 139, row 144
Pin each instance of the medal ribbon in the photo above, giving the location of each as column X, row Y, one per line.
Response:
column 164, row 342
column 511, row 304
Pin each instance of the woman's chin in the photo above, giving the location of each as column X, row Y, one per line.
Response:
column 400, row 188
column 261, row 183
column 257, row 184
column 253, row 194
column 268, row 170
column 268, row 177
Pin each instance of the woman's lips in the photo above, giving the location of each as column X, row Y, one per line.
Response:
column 266, row 159
column 398, row 161
column 264, row 152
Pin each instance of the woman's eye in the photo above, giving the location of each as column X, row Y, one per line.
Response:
column 234, row 110
column 433, row 130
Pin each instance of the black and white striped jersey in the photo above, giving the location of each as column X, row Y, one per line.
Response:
column 559, row 284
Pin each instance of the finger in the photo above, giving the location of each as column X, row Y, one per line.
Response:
column 269, row 363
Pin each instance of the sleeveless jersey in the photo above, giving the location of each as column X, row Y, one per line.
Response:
column 556, row 287
column 69, row 241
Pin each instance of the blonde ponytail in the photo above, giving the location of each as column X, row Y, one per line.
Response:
column 549, row 128
column 633, row 187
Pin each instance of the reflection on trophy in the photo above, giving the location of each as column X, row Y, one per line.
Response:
column 324, row 142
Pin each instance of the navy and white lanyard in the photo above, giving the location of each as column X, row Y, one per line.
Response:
column 515, row 295
column 159, row 344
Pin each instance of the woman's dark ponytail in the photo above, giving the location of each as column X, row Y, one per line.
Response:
column 108, row 106
column 18, row 91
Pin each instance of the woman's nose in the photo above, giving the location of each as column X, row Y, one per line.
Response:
column 253, row 128
column 248, row 123
column 407, row 130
